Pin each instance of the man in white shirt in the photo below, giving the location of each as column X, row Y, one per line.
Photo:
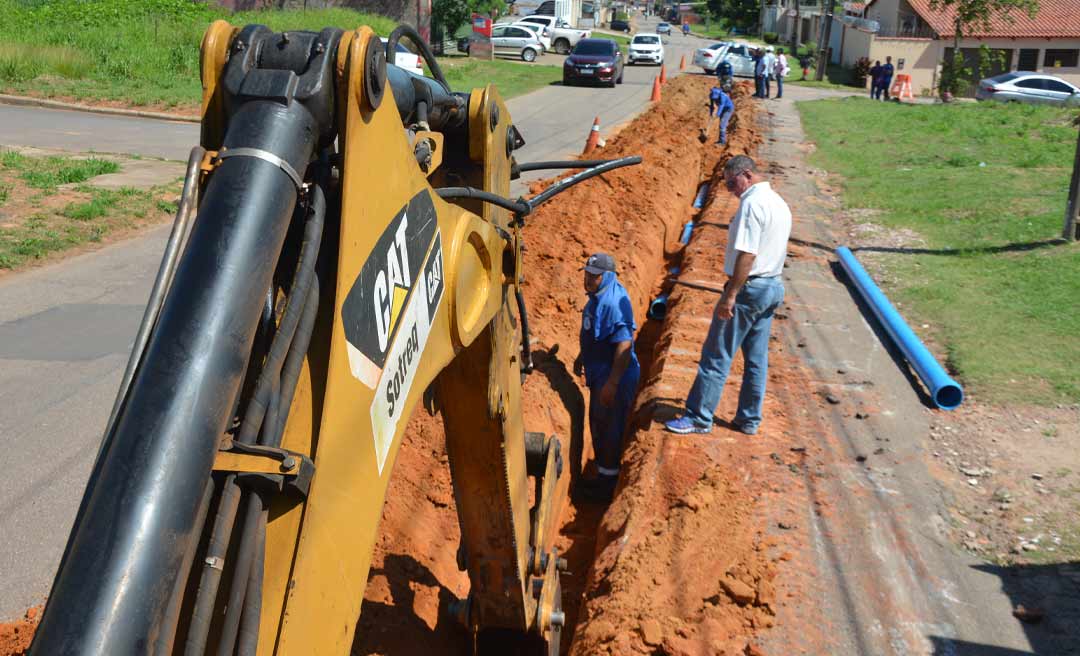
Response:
column 753, row 261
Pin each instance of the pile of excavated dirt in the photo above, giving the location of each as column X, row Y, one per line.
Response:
column 15, row 636
column 636, row 214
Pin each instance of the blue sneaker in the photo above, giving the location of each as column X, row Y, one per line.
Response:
column 684, row 425
column 746, row 429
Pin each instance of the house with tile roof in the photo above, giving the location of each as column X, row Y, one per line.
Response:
column 919, row 39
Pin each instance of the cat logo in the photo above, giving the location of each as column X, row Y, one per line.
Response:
column 388, row 312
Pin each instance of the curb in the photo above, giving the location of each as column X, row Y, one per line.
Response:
column 26, row 101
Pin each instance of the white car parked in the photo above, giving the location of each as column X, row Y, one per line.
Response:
column 646, row 48
column 563, row 37
column 1027, row 87
column 709, row 57
column 407, row 59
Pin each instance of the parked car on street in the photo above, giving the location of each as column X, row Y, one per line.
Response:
column 645, row 48
column 708, row 58
column 541, row 32
column 1026, row 87
column 619, row 26
column 563, row 37
column 742, row 62
column 407, row 59
column 594, row 60
column 516, row 41
column 663, row 28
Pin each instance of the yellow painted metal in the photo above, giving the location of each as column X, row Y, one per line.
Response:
column 212, row 57
column 340, row 520
column 249, row 463
column 318, row 552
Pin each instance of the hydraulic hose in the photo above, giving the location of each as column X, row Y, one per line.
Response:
column 112, row 593
column 268, row 381
column 421, row 45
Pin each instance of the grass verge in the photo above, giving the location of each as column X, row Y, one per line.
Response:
column 512, row 78
column 45, row 208
column 979, row 190
column 142, row 53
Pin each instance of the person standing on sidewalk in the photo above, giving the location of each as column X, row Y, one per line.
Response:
column 886, row 77
column 611, row 370
column 759, row 71
column 780, row 69
column 753, row 261
column 768, row 62
column 875, row 79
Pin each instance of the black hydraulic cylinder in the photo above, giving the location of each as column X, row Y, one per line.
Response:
column 128, row 547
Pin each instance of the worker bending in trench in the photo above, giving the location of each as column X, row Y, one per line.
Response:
column 753, row 261
column 611, row 370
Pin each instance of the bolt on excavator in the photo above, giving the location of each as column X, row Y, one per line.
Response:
column 344, row 249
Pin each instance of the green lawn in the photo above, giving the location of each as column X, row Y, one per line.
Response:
column 146, row 52
column 46, row 208
column 836, row 77
column 984, row 187
column 512, row 78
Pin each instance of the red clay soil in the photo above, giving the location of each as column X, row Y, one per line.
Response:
column 15, row 636
column 635, row 214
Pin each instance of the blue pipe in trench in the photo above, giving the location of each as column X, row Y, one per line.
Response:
column 946, row 392
column 687, row 229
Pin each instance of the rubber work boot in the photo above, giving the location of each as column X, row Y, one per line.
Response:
column 600, row 489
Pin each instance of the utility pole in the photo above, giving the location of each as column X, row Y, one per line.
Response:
column 1071, row 231
column 795, row 32
column 823, row 57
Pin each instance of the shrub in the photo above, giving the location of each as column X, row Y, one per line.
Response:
column 861, row 70
column 771, row 37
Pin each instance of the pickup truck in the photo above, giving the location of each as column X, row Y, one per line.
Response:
column 563, row 37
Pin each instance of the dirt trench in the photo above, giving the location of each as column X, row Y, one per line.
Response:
column 646, row 592
column 637, row 215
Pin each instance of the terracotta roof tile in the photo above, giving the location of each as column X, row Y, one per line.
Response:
column 1056, row 18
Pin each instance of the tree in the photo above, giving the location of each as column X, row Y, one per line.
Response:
column 449, row 15
column 968, row 14
column 743, row 14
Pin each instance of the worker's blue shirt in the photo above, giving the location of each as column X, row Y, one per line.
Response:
column 887, row 72
column 607, row 320
column 721, row 100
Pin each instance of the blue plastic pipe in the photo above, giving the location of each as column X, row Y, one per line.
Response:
column 945, row 391
column 687, row 229
column 699, row 201
column 658, row 308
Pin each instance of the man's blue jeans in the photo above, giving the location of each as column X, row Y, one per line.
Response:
column 724, row 119
column 779, row 86
column 759, row 86
column 765, row 86
column 748, row 328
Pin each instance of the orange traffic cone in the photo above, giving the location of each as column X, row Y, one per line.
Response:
column 594, row 137
column 682, row 63
column 655, row 90
column 663, row 74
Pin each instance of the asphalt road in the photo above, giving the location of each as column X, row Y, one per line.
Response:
column 66, row 329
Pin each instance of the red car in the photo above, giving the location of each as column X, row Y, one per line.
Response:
column 594, row 60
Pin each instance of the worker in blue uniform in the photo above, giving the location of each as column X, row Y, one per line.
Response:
column 611, row 370
column 720, row 103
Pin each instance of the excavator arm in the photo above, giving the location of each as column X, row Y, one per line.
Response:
column 344, row 249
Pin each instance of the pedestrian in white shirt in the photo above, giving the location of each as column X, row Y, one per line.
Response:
column 780, row 69
column 769, row 63
column 754, row 261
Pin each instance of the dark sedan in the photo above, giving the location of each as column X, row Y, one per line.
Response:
column 594, row 60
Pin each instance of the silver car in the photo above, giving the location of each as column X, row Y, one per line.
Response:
column 516, row 41
column 742, row 62
column 1028, row 88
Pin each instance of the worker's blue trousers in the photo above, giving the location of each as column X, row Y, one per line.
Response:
column 724, row 118
column 608, row 423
